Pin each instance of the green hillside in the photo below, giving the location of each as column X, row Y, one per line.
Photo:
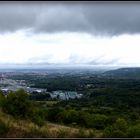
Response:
column 124, row 73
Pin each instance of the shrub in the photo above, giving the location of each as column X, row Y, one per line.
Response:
column 62, row 133
column 98, row 121
column 37, row 116
column 134, row 131
column 53, row 114
column 120, row 124
column 82, row 133
column 4, row 128
column 117, row 130
column 38, row 120
column 33, row 133
column 84, row 118
column 110, row 132
column 118, row 134
column 17, row 103
column 68, row 116
column 2, row 100
column 91, row 133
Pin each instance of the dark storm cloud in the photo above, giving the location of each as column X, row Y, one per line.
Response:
column 90, row 17
column 13, row 17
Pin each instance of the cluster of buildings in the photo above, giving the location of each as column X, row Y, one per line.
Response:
column 60, row 95
column 8, row 85
column 29, row 90
column 65, row 95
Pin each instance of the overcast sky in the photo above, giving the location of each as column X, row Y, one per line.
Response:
column 91, row 33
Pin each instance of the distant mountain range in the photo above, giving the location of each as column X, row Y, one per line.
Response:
column 132, row 72
column 105, row 71
column 55, row 66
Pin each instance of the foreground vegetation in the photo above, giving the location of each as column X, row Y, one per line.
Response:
column 109, row 107
column 11, row 127
column 22, row 117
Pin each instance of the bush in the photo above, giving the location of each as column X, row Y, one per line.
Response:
column 38, row 120
column 53, row 114
column 98, row 121
column 110, row 132
column 82, row 133
column 37, row 116
column 118, row 134
column 62, row 133
column 2, row 100
column 68, row 116
column 120, row 124
column 117, row 130
column 91, row 133
column 34, row 133
column 4, row 128
column 17, row 104
column 84, row 119
column 134, row 131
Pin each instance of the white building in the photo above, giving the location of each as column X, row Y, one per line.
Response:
column 65, row 95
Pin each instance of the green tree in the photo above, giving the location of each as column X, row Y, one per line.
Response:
column 99, row 121
column 53, row 114
column 2, row 99
column 84, row 119
column 68, row 116
column 17, row 103
column 117, row 130
column 120, row 124
column 38, row 115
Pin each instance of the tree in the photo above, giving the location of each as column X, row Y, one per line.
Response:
column 117, row 130
column 120, row 124
column 38, row 116
column 68, row 116
column 84, row 118
column 2, row 99
column 99, row 121
column 17, row 103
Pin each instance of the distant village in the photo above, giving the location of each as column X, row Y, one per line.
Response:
column 8, row 85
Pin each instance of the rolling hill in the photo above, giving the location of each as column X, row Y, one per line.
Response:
column 133, row 72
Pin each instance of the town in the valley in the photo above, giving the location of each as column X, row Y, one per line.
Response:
column 9, row 85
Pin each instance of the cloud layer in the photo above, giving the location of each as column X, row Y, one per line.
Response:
column 96, row 18
column 69, row 48
column 73, row 33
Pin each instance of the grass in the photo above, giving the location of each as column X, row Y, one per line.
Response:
column 17, row 128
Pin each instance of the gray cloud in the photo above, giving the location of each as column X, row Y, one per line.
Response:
column 100, row 60
column 90, row 17
column 75, row 59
